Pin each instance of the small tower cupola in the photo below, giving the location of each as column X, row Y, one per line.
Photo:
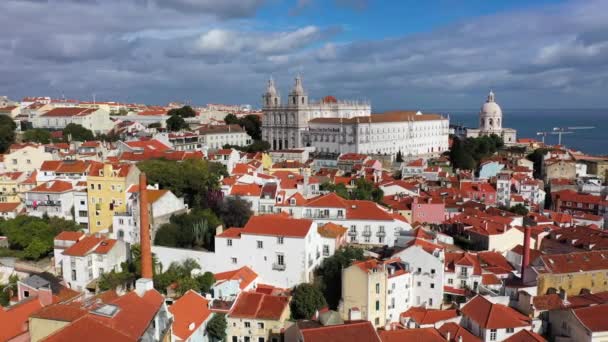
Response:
column 298, row 96
column 271, row 97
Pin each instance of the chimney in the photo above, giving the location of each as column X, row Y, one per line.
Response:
column 448, row 336
column 525, row 261
column 144, row 229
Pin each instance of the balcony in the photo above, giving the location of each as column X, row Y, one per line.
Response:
column 48, row 203
column 367, row 233
column 381, row 233
column 352, row 233
column 278, row 267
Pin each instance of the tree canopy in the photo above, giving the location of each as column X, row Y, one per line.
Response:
column 75, row 132
column 251, row 123
column 37, row 135
column 306, row 300
column 194, row 179
column 217, row 327
column 363, row 190
column 181, row 275
column 193, row 230
column 7, row 132
column 330, row 273
column 467, row 153
column 176, row 123
column 234, row 211
column 184, row 112
column 255, row 146
column 34, row 236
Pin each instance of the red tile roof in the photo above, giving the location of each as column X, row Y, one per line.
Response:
column 69, row 236
column 456, row 332
column 15, row 318
column 55, row 186
column 243, row 275
column 423, row 316
column 90, row 244
column 331, row 230
column 69, row 111
column 246, row 190
column 189, row 312
column 353, row 331
column 9, row 207
column 575, row 262
column 277, row 225
column 259, row 306
column 67, row 312
column 489, row 315
column 231, row 233
column 593, row 317
column 419, row 335
column 525, row 336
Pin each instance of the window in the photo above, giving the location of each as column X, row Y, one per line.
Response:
column 432, row 271
column 26, row 294
column 235, row 339
column 98, row 186
column 419, row 270
column 280, row 259
column 261, row 325
column 325, row 250
column 260, row 339
column 229, row 242
column 510, row 330
column 450, row 281
column 430, row 301
column 419, row 284
column 233, row 260
column 247, row 324
column 280, row 240
column 377, row 305
column 92, row 186
column 464, row 271
column 493, row 335
column 432, row 285
column 377, row 288
column 260, row 244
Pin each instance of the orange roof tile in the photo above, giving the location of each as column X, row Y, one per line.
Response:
column 525, row 336
column 277, row 225
column 9, row 207
column 419, row 335
column 14, row 319
column 423, row 316
column 244, row 275
column 457, row 333
column 489, row 315
column 331, row 230
column 69, row 236
column 350, row 331
column 231, row 233
column 189, row 312
column 259, row 306
column 55, row 186
column 246, row 190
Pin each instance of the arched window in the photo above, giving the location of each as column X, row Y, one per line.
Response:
column 294, row 100
column 276, row 101
column 491, row 122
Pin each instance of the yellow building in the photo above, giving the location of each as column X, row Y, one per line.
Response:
column 572, row 272
column 257, row 316
column 10, row 186
column 107, row 185
column 364, row 292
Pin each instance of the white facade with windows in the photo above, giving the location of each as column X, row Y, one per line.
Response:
column 284, row 124
column 427, row 272
column 279, row 257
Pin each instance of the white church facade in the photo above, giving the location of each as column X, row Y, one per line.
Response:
column 334, row 126
column 490, row 122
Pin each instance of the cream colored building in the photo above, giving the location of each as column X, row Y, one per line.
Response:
column 257, row 317
column 25, row 158
column 490, row 122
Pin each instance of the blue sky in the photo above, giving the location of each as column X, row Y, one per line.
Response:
column 398, row 54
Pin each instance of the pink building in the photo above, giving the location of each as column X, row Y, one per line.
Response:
column 428, row 210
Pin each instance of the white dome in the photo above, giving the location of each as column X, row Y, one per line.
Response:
column 491, row 109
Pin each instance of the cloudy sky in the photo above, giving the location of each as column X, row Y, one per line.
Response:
column 399, row 54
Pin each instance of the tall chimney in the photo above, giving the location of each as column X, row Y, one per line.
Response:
column 525, row 261
column 144, row 229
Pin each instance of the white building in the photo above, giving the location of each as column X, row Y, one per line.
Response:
column 54, row 198
column 96, row 120
column 283, row 251
column 89, row 258
column 163, row 204
column 25, row 157
column 367, row 222
column 284, row 124
column 412, row 133
column 216, row 136
column 81, row 208
column 425, row 260
column 490, row 122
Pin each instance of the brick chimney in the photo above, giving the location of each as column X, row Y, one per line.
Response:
column 144, row 229
column 525, row 261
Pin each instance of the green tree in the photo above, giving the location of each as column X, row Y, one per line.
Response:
column 37, row 135
column 519, row 209
column 235, row 212
column 306, row 300
column 217, row 326
column 399, row 157
column 195, row 180
column 252, row 125
column 7, row 132
column 537, row 158
column 155, row 125
column 255, row 146
column 205, row 281
column 75, row 132
column 176, row 123
column 8, row 290
column 186, row 284
column 330, row 273
column 167, row 235
column 340, row 189
column 231, row 119
column 184, row 112
column 36, row 249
